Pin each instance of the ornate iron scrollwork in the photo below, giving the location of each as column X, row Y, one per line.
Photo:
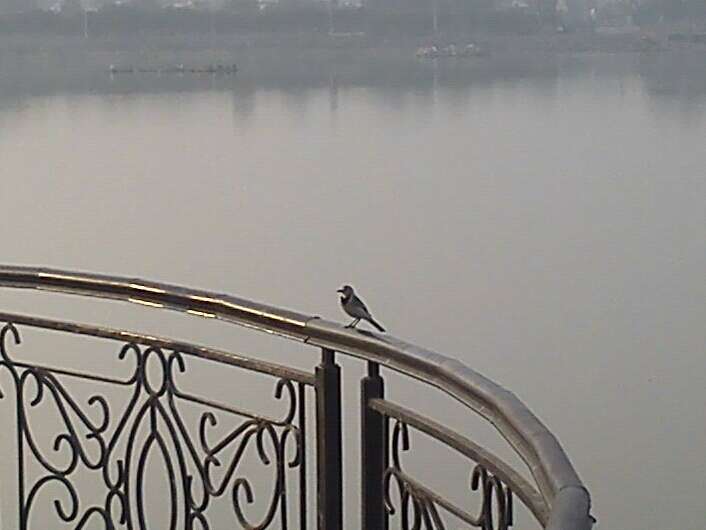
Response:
column 420, row 506
column 119, row 445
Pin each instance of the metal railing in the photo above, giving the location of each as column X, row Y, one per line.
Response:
column 154, row 417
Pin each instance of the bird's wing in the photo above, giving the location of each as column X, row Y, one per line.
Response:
column 357, row 308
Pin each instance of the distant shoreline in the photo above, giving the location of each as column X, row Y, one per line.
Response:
column 602, row 40
column 32, row 65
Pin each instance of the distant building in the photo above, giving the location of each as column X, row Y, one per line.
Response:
column 424, row 4
column 17, row 6
column 70, row 7
column 573, row 13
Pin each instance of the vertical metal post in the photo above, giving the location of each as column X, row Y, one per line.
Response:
column 330, row 18
column 435, row 17
column 329, row 443
column 374, row 451
column 303, row 505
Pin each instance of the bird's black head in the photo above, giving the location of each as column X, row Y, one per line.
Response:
column 346, row 291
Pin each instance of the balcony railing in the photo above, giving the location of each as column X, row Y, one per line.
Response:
column 204, row 462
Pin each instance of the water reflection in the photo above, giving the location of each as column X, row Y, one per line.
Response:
column 540, row 217
column 667, row 77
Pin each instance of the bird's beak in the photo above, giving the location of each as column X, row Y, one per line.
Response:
column 340, row 291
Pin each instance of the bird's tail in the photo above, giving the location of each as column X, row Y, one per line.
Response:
column 378, row 326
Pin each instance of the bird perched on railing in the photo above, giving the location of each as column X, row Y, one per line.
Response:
column 354, row 307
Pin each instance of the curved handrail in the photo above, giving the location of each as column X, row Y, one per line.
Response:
column 203, row 352
column 516, row 482
column 558, row 482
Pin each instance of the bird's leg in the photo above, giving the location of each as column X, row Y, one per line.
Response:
column 353, row 323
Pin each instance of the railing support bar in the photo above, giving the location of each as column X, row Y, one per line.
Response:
column 374, row 451
column 329, row 443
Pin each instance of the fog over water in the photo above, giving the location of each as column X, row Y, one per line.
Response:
column 542, row 220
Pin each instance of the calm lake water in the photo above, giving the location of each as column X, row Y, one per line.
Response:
column 542, row 220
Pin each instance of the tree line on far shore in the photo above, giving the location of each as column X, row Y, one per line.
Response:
column 378, row 17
